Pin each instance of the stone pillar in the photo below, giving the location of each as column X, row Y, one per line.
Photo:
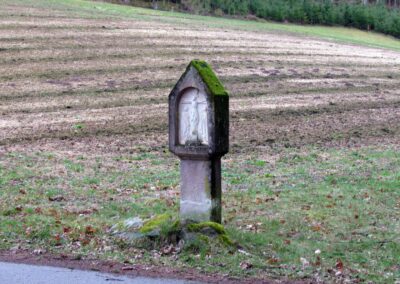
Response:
column 201, row 190
column 199, row 136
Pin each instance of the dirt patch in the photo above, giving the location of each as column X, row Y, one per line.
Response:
column 128, row 269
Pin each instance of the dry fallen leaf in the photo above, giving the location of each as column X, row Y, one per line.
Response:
column 87, row 211
column 273, row 260
column 57, row 238
column 245, row 265
column 339, row 265
column 66, row 230
column 316, row 228
column 56, row 198
column 318, row 261
column 89, row 230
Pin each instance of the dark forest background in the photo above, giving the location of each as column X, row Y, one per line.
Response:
column 377, row 15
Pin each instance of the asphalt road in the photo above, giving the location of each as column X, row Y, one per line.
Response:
column 11, row 273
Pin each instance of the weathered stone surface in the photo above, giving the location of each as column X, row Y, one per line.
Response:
column 199, row 136
column 128, row 229
column 136, row 229
column 210, row 103
column 128, row 224
column 201, row 190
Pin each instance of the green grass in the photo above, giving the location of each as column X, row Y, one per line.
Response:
column 344, row 203
column 103, row 10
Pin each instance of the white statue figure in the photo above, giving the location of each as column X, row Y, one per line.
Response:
column 193, row 118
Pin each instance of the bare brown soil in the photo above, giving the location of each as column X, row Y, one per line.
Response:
column 128, row 269
column 284, row 90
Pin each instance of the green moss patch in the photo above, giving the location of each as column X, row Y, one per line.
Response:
column 226, row 240
column 209, row 77
column 211, row 228
column 166, row 229
column 197, row 227
column 155, row 224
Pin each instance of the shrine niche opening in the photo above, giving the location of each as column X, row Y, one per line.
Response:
column 193, row 118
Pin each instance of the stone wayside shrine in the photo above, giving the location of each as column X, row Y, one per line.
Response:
column 199, row 136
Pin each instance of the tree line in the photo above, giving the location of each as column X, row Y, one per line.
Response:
column 377, row 15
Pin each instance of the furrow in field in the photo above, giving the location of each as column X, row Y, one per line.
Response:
column 147, row 42
column 299, row 127
column 215, row 36
column 122, row 42
column 97, row 34
column 251, row 84
column 109, row 41
column 296, row 126
column 261, row 100
column 84, row 100
column 18, row 57
column 224, row 63
column 129, row 77
column 14, row 66
column 78, row 24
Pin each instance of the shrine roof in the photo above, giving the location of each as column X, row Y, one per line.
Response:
column 210, row 79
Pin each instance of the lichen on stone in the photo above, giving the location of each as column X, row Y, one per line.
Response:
column 210, row 79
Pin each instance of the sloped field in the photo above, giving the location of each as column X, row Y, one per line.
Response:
column 113, row 77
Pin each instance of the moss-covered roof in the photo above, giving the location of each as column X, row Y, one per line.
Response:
column 209, row 77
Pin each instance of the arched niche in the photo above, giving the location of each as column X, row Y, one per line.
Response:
column 193, row 118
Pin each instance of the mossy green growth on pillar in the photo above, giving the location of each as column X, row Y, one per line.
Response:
column 209, row 77
column 199, row 136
